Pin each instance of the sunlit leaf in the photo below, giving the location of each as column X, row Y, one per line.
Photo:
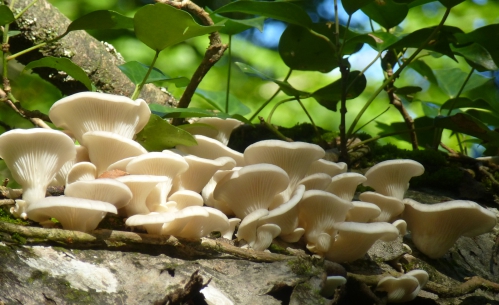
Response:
column 330, row 95
column 450, row 3
column 301, row 50
column 489, row 118
column 6, row 15
column 451, row 80
column 136, row 72
column 407, row 90
column 159, row 135
column 62, row 64
column 467, row 124
column 101, row 20
column 430, row 109
column 217, row 101
column 235, row 26
column 160, row 26
column 477, row 56
column 279, row 10
column 386, row 13
column 351, row 6
column 285, row 87
column 379, row 41
column 487, row 37
column 464, row 102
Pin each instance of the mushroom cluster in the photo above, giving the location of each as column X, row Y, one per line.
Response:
column 275, row 189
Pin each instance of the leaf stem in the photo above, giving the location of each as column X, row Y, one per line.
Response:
column 228, row 75
column 397, row 73
column 269, row 118
column 26, row 8
column 309, row 117
column 389, row 135
column 461, row 90
column 139, row 87
column 14, row 56
column 271, row 98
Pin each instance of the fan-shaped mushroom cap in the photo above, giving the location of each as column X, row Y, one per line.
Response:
column 294, row 158
column 354, row 239
column 200, row 172
column 120, row 164
column 249, row 224
column 152, row 222
column 224, row 128
column 107, row 190
column 82, row 171
column 391, row 178
column 344, row 185
column 195, row 222
column 404, row 288
column 317, row 181
column 327, row 167
column 93, row 111
column 436, row 227
column 61, row 176
column 251, row 188
column 362, row 212
column 318, row 212
column 391, row 207
column 34, row 156
column 186, row 198
column 141, row 186
column 105, row 148
column 73, row 213
column 401, row 225
column 220, row 176
column 211, row 149
column 286, row 216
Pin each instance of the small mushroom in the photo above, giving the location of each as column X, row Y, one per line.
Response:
column 82, row 171
column 436, row 227
column 344, row 185
column 223, row 127
column 391, row 207
column 327, row 167
column 404, row 288
column 34, row 156
column 141, row 186
column 209, row 148
column 362, row 212
column 77, row 214
column 107, row 190
column 317, row 181
column 391, row 178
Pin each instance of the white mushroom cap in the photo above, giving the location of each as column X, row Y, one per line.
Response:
column 81, row 156
column 107, row 190
column 200, row 172
column 327, row 167
column 220, row 176
column 404, row 288
column 294, row 158
column 105, row 148
column 120, row 164
column 73, row 213
column 224, row 128
column 211, row 149
column 82, row 171
column 354, row 239
column 195, row 222
column 265, row 234
column 344, row 185
column 391, row 207
column 249, row 224
column 317, row 181
column 436, row 227
column 318, row 212
column 92, row 111
column 332, row 282
column 34, row 156
column 233, row 223
column 286, row 215
column 152, row 222
column 362, row 212
column 141, row 186
column 401, row 225
column 186, row 198
column 251, row 188
column 391, row 178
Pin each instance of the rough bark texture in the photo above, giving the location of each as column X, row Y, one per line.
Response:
column 99, row 60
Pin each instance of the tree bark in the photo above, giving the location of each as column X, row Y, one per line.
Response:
column 99, row 60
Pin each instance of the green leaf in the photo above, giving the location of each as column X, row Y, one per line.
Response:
column 169, row 112
column 160, row 25
column 422, row 68
column 430, row 109
column 487, row 37
column 136, row 72
column 386, row 13
column 235, row 26
column 101, row 20
column 408, row 90
column 285, row 87
column 6, row 15
column 439, row 44
column 477, row 56
column 301, row 50
column 450, row 3
column 159, row 135
column 351, row 6
column 425, row 137
column 379, row 41
column 217, row 101
column 465, row 123
column 280, row 10
column 330, row 95
column 62, row 64
column 451, row 80
column 486, row 117
column 464, row 102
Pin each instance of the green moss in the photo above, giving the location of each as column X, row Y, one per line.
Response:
column 303, row 267
column 21, row 240
column 274, row 248
column 37, row 275
column 6, row 216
